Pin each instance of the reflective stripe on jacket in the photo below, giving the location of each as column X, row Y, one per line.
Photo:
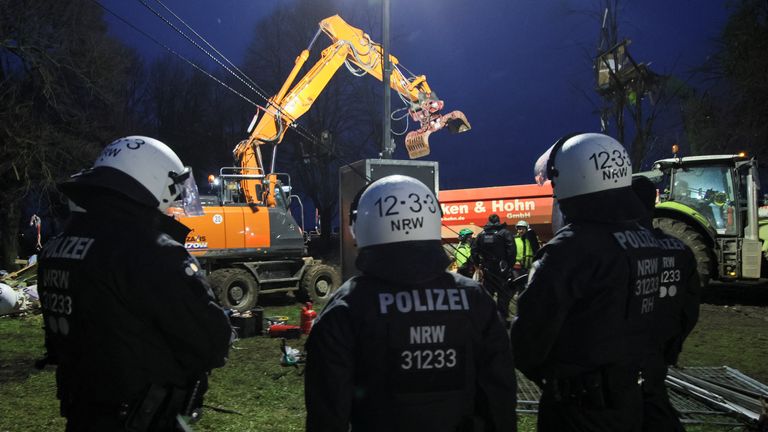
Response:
column 524, row 252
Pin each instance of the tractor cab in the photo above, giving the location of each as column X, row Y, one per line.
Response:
column 710, row 202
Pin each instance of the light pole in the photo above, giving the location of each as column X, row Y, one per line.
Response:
column 386, row 141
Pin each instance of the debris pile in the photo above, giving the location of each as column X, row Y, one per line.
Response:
column 725, row 390
column 702, row 395
column 18, row 291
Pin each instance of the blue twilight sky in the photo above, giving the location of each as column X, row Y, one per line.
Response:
column 521, row 70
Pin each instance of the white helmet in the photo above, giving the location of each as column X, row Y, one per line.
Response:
column 583, row 164
column 395, row 209
column 9, row 299
column 141, row 168
column 522, row 224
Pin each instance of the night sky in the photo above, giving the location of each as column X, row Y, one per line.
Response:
column 520, row 70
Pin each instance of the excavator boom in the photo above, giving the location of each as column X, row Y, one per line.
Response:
column 349, row 45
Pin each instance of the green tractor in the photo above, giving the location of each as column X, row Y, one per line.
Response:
column 711, row 204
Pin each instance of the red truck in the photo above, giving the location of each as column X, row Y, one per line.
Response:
column 470, row 208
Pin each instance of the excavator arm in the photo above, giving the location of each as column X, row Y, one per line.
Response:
column 352, row 45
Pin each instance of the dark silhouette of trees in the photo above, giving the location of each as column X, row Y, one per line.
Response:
column 731, row 115
column 65, row 90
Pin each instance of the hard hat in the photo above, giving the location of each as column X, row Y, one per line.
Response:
column 9, row 298
column 141, row 168
column 585, row 163
column 522, row 224
column 465, row 232
column 395, row 209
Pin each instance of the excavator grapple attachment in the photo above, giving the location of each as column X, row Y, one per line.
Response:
column 417, row 142
column 457, row 122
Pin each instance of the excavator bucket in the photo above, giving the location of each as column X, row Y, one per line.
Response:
column 417, row 142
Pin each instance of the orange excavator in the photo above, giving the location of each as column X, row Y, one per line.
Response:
column 247, row 239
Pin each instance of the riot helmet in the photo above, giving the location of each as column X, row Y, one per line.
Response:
column 589, row 171
column 584, row 163
column 142, row 169
column 395, row 209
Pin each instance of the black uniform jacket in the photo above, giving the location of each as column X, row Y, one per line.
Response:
column 414, row 350
column 125, row 305
column 678, row 309
column 493, row 245
column 591, row 300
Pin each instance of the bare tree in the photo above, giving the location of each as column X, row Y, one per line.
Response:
column 730, row 115
column 62, row 96
column 626, row 86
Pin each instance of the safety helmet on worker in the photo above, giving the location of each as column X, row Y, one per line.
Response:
column 394, row 209
column 521, row 225
column 142, row 169
column 584, row 163
column 465, row 234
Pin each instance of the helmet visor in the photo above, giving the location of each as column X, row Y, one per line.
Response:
column 541, row 169
column 190, row 196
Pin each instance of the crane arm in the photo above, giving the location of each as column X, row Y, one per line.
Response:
column 349, row 44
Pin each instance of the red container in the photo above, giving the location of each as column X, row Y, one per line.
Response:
column 284, row 331
column 307, row 318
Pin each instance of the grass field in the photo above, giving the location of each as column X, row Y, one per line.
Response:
column 261, row 395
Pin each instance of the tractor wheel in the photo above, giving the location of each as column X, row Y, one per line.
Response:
column 235, row 288
column 705, row 258
column 318, row 283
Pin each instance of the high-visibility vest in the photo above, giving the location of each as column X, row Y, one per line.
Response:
column 463, row 251
column 524, row 252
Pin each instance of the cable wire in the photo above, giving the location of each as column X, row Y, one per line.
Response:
column 170, row 50
column 255, row 88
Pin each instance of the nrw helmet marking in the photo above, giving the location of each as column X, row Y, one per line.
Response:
column 395, row 209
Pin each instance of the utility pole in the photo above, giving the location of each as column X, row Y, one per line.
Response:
column 386, row 141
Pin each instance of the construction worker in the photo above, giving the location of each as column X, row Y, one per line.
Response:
column 407, row 346
column 532, row 237
column 463, row 254
column 494, row 250
column 585, row 320
column 677, row 312
column 524, row 249
column 129, row 318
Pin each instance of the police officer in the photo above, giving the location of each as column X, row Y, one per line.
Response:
column 677, row 312
column 524, row 248
column 129, row 318
column 584, row 325
column 407, row 346
column 463, row 253
column 494, row 249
